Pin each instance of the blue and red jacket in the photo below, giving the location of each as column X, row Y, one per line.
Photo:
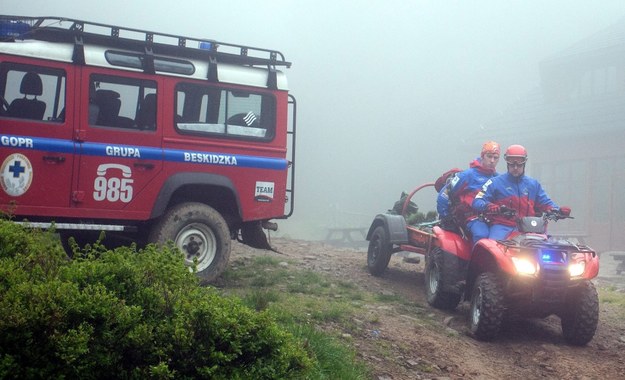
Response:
column 523, row 194
column 461, row 190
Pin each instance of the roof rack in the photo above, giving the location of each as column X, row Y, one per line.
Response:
column 59, row 29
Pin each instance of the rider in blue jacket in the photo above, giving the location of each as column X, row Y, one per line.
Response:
column 457, row 195
column 515, row 191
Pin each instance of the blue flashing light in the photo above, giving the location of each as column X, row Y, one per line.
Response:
column 13, row 28
column 205, row 45
column 553, row 257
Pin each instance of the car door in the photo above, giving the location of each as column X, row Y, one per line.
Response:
column 36, row 136
column 120, row 142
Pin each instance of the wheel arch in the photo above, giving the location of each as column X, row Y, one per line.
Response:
column 488, row 256
column 394, row 225
column 453, row 243
column 212, row 189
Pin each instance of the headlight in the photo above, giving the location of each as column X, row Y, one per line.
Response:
column 524, row 265
column 576, row 269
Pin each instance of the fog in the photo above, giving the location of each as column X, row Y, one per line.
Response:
column 388, row 92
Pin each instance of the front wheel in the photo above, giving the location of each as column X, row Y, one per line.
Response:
column 200, row 233
column 379, row 251
column 487, row 306
column 434, row 281
column 581, row 316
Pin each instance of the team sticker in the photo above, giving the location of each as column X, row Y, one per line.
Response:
column 264, row 191
column 16, row 174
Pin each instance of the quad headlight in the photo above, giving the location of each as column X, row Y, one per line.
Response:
column 525, row 265
column 577, row 268
column 531, row 262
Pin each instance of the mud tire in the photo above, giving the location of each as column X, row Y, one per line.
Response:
column 200, row 233
column 487, row 307
column 434, row 283
column 581, row 316
column 379, row 251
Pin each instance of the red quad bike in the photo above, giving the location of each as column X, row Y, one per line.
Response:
column 528, row 275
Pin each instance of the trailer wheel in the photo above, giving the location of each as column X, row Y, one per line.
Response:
column 434, row 281
column 581, row 316
column 200, row 233
column 379, row 251
column 487, row 306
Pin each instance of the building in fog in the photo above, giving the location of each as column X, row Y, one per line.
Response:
column 573, row 126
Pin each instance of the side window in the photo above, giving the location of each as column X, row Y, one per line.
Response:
column 205, row 110
column 32, row 92
column 122, row 102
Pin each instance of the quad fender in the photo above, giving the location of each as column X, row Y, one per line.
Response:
column 395, row 226
column 452, row 243
column 592, row 265
column 488, row 255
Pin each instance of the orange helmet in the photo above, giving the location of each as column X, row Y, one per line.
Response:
column 515, row 151
column 490, row 147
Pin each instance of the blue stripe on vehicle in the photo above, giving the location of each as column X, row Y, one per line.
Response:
column 147, row 153
column 37, row 143
column 210, row 158
column 123, row 151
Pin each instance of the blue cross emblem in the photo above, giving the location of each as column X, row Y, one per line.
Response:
column 17, row 169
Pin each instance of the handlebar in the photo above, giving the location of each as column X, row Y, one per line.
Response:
column 507, row 212
column 504, row 211
column 555, row 215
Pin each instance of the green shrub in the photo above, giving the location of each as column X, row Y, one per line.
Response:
column 127, row 313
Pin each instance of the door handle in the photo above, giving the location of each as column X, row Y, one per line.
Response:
column 54, row 159
column 144, row 165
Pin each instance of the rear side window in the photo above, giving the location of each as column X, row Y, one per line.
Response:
column 218, row 112
column 32, row 92
column 121, row 102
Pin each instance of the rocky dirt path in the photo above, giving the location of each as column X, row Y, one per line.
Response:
column 440, row 348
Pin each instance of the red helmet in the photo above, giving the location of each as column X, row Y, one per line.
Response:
column 490, row 147
column 515, row 151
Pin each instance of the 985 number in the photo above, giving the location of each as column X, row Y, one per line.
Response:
column 113, row 189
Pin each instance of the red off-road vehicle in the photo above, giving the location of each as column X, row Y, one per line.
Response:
column 530, row 274
column 148, row 136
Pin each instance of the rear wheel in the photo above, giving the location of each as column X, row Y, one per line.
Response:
column 487, row 306
column 379, row 251
column 200, row 233
column 434, row 280
column 581, row 316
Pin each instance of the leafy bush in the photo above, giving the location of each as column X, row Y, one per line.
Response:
column 127, row 313
column 412, row 215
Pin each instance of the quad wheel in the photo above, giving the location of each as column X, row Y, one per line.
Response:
column 434, row 280
column 487, row 306
column 200, row 233
column 379, row 251
column 581, row 316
